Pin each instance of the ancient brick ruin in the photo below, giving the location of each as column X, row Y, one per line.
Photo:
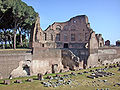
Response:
column 63, row 46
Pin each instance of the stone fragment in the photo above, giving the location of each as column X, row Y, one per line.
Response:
column 80, row 73
column 29, row 80
column 18, row 81
column 40, row 76
column 49, row 77
column 104, row 80
column 92, row 77
column 58, row 75
column 72, row 73
column 6, row 82
column 85, row 72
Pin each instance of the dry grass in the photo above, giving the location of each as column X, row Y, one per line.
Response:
column 81, row 82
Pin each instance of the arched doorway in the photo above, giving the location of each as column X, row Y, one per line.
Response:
column 27, row 69
column 66, row 45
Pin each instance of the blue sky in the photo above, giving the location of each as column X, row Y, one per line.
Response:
column 104, row 15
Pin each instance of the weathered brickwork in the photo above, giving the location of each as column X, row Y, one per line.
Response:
column 74, row 33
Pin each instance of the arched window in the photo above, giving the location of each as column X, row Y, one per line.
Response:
column 58, row 27
column 65, row 37
column 57, row 37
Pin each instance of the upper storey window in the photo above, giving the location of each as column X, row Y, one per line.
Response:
column 45, row 36
column 57, row 37
column 51, row 37
column 72, row 37
column 74, row 21
column 58, row 27
column 65, row 27
column 65, row 37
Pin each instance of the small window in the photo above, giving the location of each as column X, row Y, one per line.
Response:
column 45, row 36
column 57, row 37
column 65, row 37
column 100, row 44
column 51, row 37
column 42, row 45
column 72, row 37
column 74, row 21
column 66, row 27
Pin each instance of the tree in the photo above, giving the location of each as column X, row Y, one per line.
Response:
column 21, row 14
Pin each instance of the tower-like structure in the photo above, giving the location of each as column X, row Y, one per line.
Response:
column 36, row 34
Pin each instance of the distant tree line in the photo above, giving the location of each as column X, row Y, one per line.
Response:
column 17, row 19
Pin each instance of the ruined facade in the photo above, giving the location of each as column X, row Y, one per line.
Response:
column 74, row 33
column 77, row 42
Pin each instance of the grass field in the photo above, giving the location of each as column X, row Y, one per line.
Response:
column 80, row 82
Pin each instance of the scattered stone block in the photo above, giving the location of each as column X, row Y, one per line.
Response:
column 72, row 73
column 118, row 65
column 80, row 73
column 104, row 80
column 6, row 82
column 91, row 71
column 85, row 72
column 40, row 76
column 58, row 75
column 49, row 77
column 115, row 66
column 92, row 77
column 18, row 81
column 29, row 80
column 119, row 69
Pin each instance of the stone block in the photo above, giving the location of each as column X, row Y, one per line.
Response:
column 6, row 82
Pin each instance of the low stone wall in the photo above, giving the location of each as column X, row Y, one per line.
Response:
column 9, row 60
column 108, row 55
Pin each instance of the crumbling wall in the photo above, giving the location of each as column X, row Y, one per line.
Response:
column 93, row 51
column 44, row 60
column 71, row 61
column 9, row 60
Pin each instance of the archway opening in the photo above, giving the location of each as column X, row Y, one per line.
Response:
column 27, row 69
column 66, row 45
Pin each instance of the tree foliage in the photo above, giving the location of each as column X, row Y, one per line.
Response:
column 16, row 16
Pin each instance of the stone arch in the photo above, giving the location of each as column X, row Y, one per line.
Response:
column 22, row 70
column 58, row 27
column 27, row 69
column 54, row 68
